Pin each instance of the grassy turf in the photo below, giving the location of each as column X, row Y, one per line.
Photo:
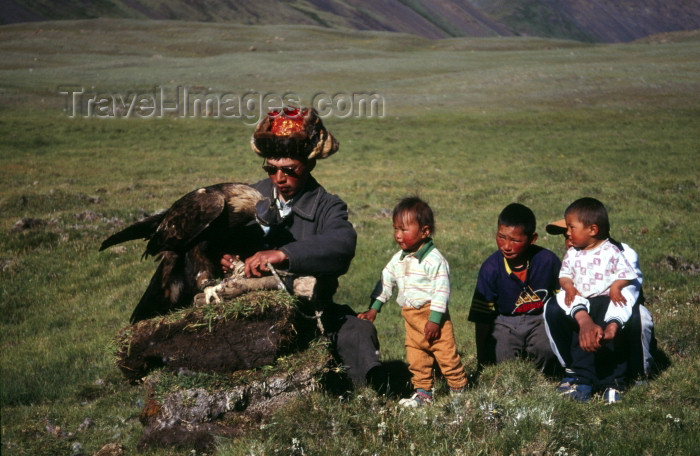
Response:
column 470, row 125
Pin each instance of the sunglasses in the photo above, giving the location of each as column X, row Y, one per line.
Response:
column 290, row 171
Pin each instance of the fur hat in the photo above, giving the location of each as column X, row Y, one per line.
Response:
column 558, row 227
column 293, row 133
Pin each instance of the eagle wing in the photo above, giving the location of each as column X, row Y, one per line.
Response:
column 184, row 238
column 186, row 219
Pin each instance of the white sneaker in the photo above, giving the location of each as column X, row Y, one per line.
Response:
column 417, row 400
column 611, row 396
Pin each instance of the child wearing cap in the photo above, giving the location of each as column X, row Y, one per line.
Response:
column 638, row 332
column 512, row 287
column 595, row 267
column 422, row 276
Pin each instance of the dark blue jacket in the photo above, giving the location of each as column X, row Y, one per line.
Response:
column 501, row 293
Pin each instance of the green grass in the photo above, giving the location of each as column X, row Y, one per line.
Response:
column 471, row 126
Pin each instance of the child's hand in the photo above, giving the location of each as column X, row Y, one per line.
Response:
column 570, row 291
column 616, row 296
column 610, row 331
column 571, row 294
column 370, row 315
column 431, row 331
column 617, row 299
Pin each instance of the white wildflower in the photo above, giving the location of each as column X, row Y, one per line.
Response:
column 381, row 430
column 296, row 447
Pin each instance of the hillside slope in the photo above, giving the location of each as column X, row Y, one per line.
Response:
column 594, row 20
column 584, row 20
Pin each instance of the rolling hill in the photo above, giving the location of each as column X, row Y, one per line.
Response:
column 583, row 20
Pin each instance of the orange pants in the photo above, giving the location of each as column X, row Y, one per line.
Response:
column 421, row 355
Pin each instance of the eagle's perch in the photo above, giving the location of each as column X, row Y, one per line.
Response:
column 222, row 368
column 189, row 239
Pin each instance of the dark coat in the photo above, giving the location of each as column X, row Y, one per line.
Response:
column 319, row 240
column 317, row 237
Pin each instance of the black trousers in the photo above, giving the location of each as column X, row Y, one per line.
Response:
column 355, row 341
column 607, row 367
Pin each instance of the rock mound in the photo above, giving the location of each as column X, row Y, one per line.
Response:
column 222, row 368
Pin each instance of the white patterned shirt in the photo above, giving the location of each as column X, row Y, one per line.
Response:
column 593, row 271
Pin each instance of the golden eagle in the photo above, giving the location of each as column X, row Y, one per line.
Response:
column 189, row 239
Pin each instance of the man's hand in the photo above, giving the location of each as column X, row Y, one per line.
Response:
column 227, row 263
column 431, row 331
column 370, row 315
column 256, row 265
column 590, row 335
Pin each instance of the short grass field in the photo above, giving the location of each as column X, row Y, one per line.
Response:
column 470, row 125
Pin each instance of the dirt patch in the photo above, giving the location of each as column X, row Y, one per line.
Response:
column 222, row 369
column 182, row 416
column 29, row 223
column 676, row 263
column 247, row 333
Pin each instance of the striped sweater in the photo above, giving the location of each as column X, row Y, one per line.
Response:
column 422, row 278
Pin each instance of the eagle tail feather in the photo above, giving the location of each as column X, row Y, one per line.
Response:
column 143, row 229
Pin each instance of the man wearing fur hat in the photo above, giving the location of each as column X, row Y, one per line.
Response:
column 306, row 229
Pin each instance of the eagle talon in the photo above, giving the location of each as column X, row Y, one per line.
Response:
column 204, row 284
column 212, row 294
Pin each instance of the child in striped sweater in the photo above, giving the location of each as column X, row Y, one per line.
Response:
column 422, row 276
